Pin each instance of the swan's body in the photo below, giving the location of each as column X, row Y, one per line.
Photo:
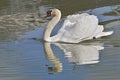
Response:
column 76, row 28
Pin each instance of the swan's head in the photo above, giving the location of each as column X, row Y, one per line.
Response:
column 53, row 12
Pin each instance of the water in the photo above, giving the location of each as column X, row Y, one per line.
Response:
column 33, row 59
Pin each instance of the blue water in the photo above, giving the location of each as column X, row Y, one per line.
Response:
column 26, row 59
column 30, row 58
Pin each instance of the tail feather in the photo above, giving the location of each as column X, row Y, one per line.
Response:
column 104, row 34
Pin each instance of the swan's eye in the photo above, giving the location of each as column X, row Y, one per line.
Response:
column 49, row 13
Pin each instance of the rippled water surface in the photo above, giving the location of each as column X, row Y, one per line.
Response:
column 23, row 56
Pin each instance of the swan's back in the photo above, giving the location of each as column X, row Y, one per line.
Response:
column 78, row 27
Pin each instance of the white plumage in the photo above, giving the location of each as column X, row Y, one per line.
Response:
column 80, row 27
column 76, row 28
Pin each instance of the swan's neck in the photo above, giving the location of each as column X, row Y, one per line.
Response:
column 50, row 27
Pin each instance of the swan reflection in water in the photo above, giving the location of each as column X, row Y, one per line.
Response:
column 79, row 54
column 51, row 57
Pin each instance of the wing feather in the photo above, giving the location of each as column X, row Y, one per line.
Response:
column 78, row 27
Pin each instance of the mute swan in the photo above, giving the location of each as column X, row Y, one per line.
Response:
column 76, row 28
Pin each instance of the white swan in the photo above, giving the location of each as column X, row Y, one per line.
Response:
column 76, row 28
